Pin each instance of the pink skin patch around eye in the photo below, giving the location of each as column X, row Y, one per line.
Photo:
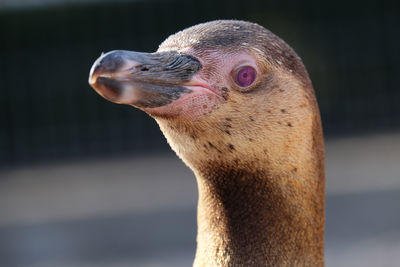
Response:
column 245, row 76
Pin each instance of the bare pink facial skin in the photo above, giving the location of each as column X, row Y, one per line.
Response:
column 209, row 87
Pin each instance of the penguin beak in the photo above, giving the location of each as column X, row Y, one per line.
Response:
column 144, row 80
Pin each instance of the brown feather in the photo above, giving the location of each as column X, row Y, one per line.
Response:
column 261, row 202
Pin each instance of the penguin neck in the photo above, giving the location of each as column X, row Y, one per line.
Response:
column 257, row 218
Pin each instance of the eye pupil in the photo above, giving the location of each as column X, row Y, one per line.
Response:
column 245, row 76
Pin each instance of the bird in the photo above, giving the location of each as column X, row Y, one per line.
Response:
column 236, row 104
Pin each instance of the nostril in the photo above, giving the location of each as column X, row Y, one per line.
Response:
column 144, row 69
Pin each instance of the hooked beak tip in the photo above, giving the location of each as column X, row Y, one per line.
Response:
column 142, row 79
column 93, row 75
column 107, row 64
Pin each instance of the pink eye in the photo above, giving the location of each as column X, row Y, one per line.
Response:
column 245, row 76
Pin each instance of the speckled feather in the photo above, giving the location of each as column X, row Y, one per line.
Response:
column 258, row 158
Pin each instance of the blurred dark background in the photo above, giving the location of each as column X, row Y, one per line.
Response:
column 48, row 111
column 50, row 118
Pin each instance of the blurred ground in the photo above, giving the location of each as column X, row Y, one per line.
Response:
column 141, row 211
